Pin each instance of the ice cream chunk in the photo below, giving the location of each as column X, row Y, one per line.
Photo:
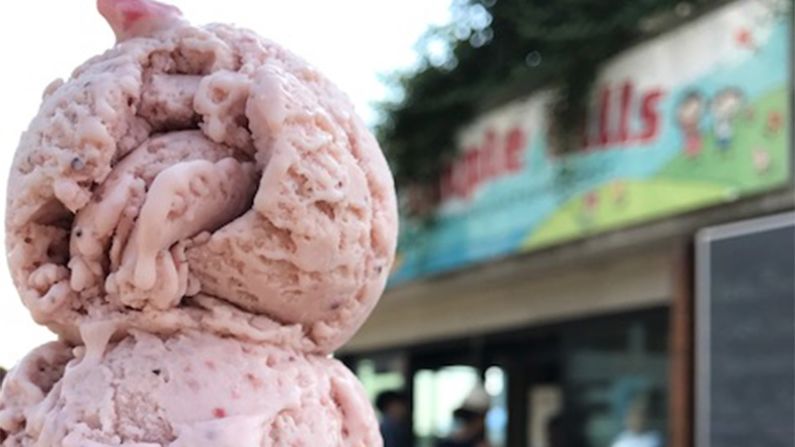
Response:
column 182, row 201
column 190, row 160
column 133, row 18
column 189, row 390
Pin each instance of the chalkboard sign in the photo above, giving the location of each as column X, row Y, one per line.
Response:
column 746, row 334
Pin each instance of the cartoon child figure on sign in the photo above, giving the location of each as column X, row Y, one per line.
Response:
column 619, row 193
column 688, row 115
column 774, row 123
column 588, row 208
column 761, row 160
column 726, row 106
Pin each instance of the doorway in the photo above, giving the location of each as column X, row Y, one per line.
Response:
column 574, row 383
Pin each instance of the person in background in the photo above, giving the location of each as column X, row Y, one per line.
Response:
column 636, row 432
column 469, row 431
column 565, row 430
column 470, row 422
column 394, row 408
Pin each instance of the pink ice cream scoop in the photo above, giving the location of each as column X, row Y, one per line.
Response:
column 191, row 390
column 192, row 162
column 202, row 218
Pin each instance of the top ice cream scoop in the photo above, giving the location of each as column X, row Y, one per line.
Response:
column 199, row 177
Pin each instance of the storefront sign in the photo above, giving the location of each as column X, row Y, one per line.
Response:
column 697, row 117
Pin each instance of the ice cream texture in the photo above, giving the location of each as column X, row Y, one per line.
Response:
column 189, row 390
column 194, row 193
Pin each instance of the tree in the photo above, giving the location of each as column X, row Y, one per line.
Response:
column 497, row 50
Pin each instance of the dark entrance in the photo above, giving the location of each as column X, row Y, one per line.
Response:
column 584, row 378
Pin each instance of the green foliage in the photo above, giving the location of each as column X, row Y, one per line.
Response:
column 496, row 50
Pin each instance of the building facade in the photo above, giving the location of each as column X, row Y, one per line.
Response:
column 563, row 283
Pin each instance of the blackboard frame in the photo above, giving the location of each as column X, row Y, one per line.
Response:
column 704, row 239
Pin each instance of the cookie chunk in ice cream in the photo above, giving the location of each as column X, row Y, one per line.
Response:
column 197, row 177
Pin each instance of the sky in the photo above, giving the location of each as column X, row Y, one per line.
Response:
column 354, row 42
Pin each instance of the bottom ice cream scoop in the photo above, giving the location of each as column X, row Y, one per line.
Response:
column 190, row 390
